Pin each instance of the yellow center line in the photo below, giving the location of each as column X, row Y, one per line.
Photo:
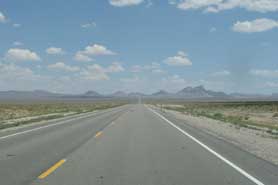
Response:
column 52, row 169
column 98, row 134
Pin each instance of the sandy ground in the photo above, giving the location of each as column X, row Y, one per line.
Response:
column 29, row 118
column 256, row 142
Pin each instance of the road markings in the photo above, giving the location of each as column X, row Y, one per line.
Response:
column 52, row 169
column 243, row 172
column 39, row 128
column 98, row 134
column 51, row 125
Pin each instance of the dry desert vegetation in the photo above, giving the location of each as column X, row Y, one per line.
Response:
column 15, row 114
column 254, row 115
column 252, row 126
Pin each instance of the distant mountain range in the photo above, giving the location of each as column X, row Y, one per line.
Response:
column 200, row 92
column 189, row 93
column 37, row 94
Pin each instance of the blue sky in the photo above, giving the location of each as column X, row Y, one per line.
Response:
column 139, row 45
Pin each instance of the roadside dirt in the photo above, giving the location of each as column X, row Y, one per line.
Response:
column 257, row 142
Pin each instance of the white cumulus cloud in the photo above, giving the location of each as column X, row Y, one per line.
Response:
column 97, row 72
column 11, row 71
column 180, row 59
column 114, row 68
column 79, row 56
column 122, row 3
column 96, row 49
column 89, row 25
column 14, row 77
column 220, row 5
column 258, row 25
column 16, row 54
column 153, row 67
column 94, row 72
column 92, row 50
column 2, row 18
column 264, row 73
column 63, row 67
column 54, row 51
column 196, row 4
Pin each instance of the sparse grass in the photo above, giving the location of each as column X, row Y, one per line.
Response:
column 275, row 115
column 3, row 126
column 255, row 115
column 13, row 113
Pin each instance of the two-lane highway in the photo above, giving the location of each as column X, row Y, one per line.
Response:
column 131, row 145
column 24, row 154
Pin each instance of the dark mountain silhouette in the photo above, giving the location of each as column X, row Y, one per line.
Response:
column 136, row 94
column 119, row 94
column 28, row 94
column 161, row 93
column 92, row 94
column 198, row 92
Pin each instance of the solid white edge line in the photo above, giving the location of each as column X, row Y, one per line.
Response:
column 38, row 128
column 51, row 125
column 243, row 172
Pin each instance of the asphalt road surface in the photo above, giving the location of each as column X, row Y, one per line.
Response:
column 128, row 145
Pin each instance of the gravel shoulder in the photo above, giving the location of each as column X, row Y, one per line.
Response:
column 257, row 142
